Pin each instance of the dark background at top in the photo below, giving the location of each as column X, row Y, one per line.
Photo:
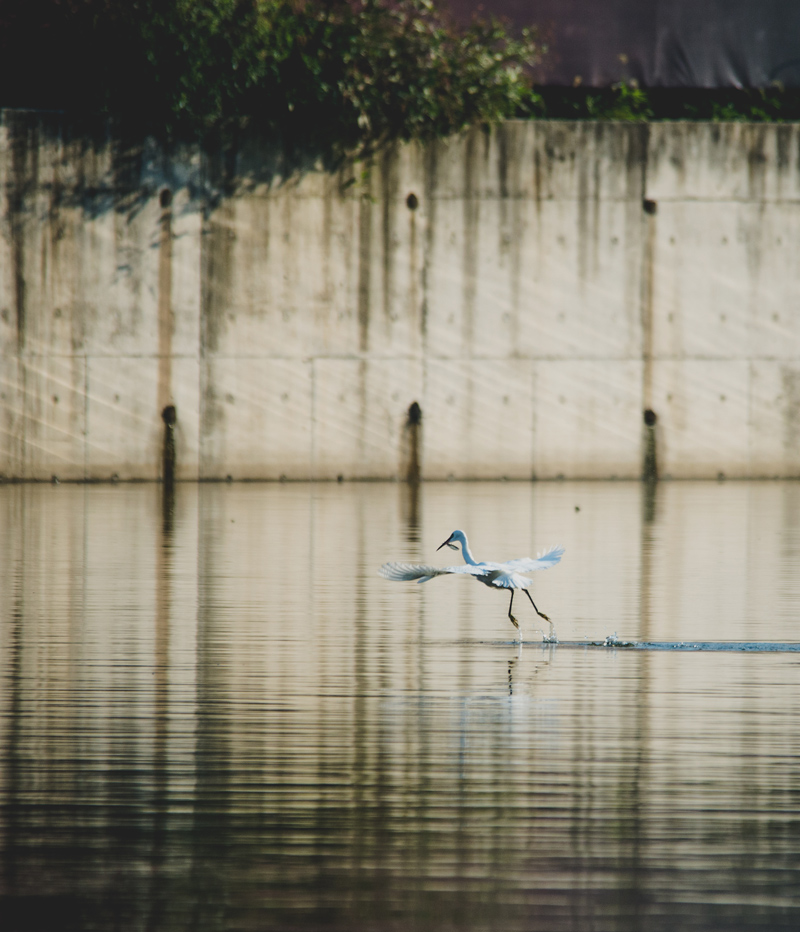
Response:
column 659, row 43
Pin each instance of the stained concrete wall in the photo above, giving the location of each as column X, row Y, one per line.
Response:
column 534, row 290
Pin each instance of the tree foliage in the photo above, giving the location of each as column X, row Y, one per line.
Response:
column 340, row 74
column 630, row 103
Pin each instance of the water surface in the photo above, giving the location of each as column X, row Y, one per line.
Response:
column 220, row 717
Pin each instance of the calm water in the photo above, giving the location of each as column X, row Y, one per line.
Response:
column 224, row 719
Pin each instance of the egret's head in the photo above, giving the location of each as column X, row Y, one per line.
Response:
column 455, row 536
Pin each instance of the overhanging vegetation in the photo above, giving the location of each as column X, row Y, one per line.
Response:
column 326, row 76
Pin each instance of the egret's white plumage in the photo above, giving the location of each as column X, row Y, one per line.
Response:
column 508, row 575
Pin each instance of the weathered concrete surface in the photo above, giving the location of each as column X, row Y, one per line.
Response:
column 534, row 290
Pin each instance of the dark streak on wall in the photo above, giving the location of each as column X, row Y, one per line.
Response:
column 333, row 186
column 791, row 427
column 389, row 195
column 431, row 175
column 648, row 263
column 364, row 267
column 756, row 161
column 24, row 164
column 217, row 238
column 470, row 232
column 642, row 229
column 413, row 307
column 166, row 323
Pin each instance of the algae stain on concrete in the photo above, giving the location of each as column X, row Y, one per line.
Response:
column 216, row 268
column 431, row 184
column 364, row 269
column 24, row 146
column 216, row 294
column 389, row 193
column 166, row 321
column 790, row 378
column 413, row 307
column 471, row 221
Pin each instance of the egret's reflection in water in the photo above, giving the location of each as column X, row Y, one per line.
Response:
column 221, row 718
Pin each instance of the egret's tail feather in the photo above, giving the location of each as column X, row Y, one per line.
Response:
column 403, row 572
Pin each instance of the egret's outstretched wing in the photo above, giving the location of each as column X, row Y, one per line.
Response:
column 403, row 572
column 543, row 562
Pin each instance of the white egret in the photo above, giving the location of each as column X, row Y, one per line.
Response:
column 506, row 575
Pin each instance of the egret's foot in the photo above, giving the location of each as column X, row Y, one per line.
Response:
column 514, row 622
column 552, row 637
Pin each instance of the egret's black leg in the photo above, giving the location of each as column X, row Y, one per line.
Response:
column 511, row 617
column 541, row 615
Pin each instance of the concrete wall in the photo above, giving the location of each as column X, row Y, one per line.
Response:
column 534, row 290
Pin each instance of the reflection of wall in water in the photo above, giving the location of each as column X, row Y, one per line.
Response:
column 533, row 290
column 242, row 683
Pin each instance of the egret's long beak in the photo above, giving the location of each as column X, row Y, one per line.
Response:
column 445, row 543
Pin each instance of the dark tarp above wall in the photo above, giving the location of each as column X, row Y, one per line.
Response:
column 659, row 43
